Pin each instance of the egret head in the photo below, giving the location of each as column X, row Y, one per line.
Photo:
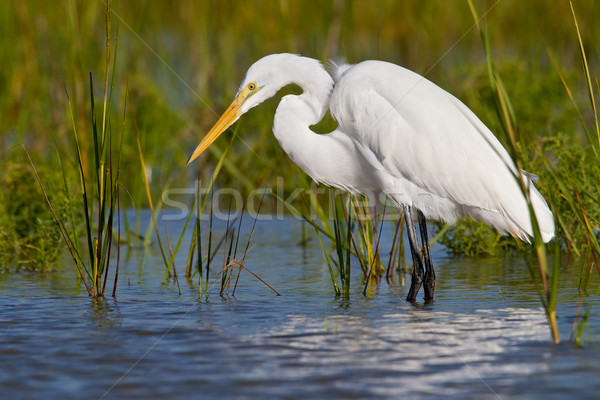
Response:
column 261, row 82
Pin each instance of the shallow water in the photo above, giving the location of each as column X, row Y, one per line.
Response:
column 484, row 337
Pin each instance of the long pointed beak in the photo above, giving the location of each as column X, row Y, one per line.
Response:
column 229, row 117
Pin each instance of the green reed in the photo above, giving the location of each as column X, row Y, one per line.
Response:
column 100, row 199
column 591, row 225
column 351, row 229
column 549, row 275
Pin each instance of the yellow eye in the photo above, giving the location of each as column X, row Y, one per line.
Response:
column 252, row 86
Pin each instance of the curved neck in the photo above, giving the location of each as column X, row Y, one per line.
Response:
column 296, row 113
column 324, row 157
column 316, row 85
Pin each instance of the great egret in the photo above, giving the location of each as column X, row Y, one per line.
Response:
column 398, row 134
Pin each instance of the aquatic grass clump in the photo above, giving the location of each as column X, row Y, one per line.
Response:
column 100, row 198
column 199, row 261
column 350, row 229
column 231, row 264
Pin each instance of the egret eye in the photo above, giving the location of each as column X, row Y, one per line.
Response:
column 251, row 86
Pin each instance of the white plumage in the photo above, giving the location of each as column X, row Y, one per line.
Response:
column 398, row 134
column 432, row 151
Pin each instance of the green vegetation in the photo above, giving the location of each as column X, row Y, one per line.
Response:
column 547, row 291
column 98, row 191
column 28, row 236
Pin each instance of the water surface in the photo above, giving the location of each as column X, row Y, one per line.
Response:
column 484, row 337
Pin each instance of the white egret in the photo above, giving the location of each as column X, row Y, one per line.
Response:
column 398, row 134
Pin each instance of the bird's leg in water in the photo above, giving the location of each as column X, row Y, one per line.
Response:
column 429, row 281
column 417, row 272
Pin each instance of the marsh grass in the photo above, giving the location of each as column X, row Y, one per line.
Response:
column 100, row 199
column 576, row 194
column 233, row 265
column 349, row 229
column 29, row 240
column 196, row 241
column 104, row 200
column 548, row 288
column 566, row 186
column 590, row 223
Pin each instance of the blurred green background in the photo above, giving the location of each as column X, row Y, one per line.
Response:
column 181, row 63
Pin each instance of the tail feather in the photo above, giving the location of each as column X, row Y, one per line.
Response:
column 516, row 219
column 520, row 224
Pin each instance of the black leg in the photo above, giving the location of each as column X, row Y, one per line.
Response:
column 417, row 272
column 429, row 281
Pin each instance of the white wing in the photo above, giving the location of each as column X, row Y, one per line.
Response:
column 431, row 150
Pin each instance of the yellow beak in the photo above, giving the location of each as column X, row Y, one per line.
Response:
column 228, row 118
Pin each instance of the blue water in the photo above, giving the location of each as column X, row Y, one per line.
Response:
column 485, row 336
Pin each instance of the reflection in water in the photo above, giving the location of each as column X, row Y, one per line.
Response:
column 468, row 349
column 485, row 336
column 104, row 312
